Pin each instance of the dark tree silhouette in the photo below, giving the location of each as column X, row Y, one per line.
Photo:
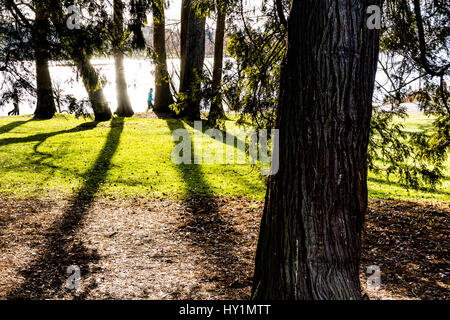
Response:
column 79, row 45
column 163, row 96
column 39, row 30
column 217, row 112
column 45, row 107
column 192, row 61
column 124, row 108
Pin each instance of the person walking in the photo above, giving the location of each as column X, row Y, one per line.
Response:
column 150, row 100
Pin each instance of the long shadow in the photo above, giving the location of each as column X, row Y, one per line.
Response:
column 12, row 125
column 43, row 136
column 164, row 115
column 400, row 185
column 234, row 143
column 236, row 140
column 205, row 227
column 45, row 277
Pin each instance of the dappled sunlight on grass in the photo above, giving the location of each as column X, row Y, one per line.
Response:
column 380, row 186
column 41, row 158
column 49, row 158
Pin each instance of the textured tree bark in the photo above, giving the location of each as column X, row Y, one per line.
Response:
column 193, row 65
column 77, row 54
column 217, row 112
column 185, row 5
column 163, row 96
column 45, row 107
column 124, row 108
column 310, row 239
column 94, row 89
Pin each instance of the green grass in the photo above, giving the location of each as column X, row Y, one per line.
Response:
column 57, row 157
column 381, row 187
column 132, row 157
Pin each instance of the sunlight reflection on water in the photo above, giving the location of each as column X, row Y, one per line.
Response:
column 139, row 74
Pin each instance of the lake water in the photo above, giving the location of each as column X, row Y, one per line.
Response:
column 139, row 76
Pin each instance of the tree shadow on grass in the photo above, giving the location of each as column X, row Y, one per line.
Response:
column 45, row 277
column 403, row 186
column 237, row 144
column 206, row 227
column 12, row 125
column 164, row 115
column 234, row 143
column 41, row 137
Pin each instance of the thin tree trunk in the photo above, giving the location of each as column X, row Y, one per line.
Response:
column 163, row 96
column 193, row 65
column 217, row 112
column 45, row 108
column 310, row 239
column 124, row 108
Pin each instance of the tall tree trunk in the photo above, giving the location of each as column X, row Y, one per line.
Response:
column 310, row 240
column 124, row 108
column 216, row 112
column 76, row 52
column 185, row 5
column 163, row 96
column 94, row 88
column 45, row 108
column 193, row 64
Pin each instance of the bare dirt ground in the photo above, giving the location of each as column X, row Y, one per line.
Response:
column 196, row 249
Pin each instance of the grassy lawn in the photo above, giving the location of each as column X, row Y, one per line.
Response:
column 132, row 157
column 381, row 187
column 125, row 157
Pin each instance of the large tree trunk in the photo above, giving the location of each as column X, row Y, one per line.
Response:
column 124, row 108
column 193, row 65
column 94, row 89
column 45, row 108
column 310, row 239
column 76, row 52
column 185, row 5
column 163, row 96
column 216, row 112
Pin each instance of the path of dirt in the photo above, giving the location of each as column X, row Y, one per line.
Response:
column 197, row 249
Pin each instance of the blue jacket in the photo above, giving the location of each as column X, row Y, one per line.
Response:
column 150, row 97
